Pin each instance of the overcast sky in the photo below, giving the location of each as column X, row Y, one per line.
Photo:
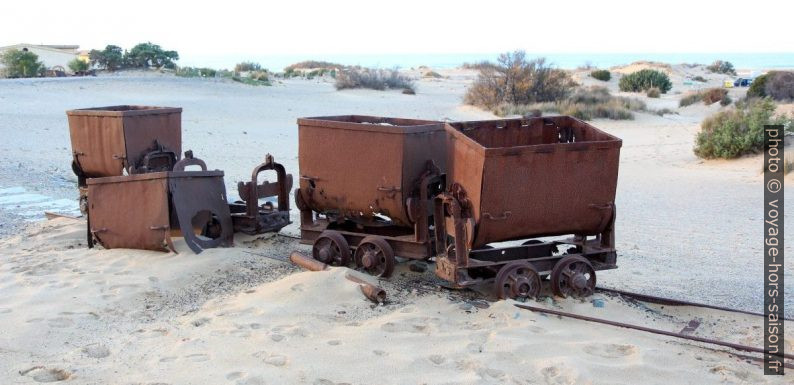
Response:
column 356, row 27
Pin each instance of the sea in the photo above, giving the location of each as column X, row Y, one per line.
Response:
column 277, row 62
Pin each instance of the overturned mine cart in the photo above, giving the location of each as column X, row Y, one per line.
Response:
column 366, row 185
column 142, row 211
column 510, row 182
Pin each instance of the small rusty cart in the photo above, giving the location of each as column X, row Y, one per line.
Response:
column 367, row 183
column 141, row 211
column 520, row 179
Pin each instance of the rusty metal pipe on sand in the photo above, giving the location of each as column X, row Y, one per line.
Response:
column 372, row 292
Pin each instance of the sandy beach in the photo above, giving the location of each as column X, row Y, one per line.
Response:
column 686, row 228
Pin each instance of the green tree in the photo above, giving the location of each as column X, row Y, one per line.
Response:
column 78, row 66
column 21, row 64
column 111, row 58
column 148, row 54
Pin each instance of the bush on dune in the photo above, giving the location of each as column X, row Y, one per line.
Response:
column 376, row 79
column 516, row 80
column 585, row 103
column 722, row 67
column 708, row 97
column 643, row 80
column 780, row 85
column 602, row 75
column 654, row 92
column 738, row 131
column 247, row 66
column 313, row 64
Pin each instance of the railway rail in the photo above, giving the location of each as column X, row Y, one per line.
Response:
column 683, row 334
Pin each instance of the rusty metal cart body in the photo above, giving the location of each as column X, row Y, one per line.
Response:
column 520, row 179
column 106, row 141
column 142, row 211
column 367, row 183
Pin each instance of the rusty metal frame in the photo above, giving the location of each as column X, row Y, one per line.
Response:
column 251, row 218
column 415, row 243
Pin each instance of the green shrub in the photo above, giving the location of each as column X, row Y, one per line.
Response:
column 146, row 55
column 654, row 92
column 21, row 64
column 376, row 79
column 111, row 58
column 722, row 67
column 699, row 79
column 602, row 75
column 191, row 72
column 780, row 85
column 738, row 131
column 758, row 87
column 78, row 66
column 516, row 80
column 726, row 100
column 642, row 80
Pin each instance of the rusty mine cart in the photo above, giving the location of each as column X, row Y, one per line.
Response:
column 483, row 198
column 516, row 179
column 367, row 184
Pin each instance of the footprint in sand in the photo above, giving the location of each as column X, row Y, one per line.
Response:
column 379, row 352
column 234, row 375
column 276, row 337
column 96, row 351
column 60, row 322
column 437, row 359
column 276, row 360
column 405, row 327
column 5, row 310
column 334, row 342
column 200, row 322
column 558, row 375
column 198, row 357
column 256, row 380
column 44, row 374
column 610, row 350
column 168, row 359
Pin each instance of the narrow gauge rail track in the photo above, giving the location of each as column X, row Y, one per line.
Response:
column 684, row 334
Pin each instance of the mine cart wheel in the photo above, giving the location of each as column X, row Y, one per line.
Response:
column 331, row 248
column 375, row 256
column 573, row 276
column 517, row 280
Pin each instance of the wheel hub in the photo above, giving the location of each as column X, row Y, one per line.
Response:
column 579, row 281
column 521, row 287
column 369, row 260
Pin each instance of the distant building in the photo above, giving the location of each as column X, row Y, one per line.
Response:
column 53, row 56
